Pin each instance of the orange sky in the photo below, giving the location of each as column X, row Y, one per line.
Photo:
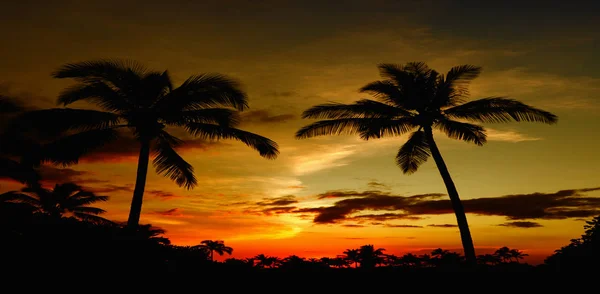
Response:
column 293, row 54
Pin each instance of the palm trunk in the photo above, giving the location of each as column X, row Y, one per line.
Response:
column 461, row 218
column 140, row 183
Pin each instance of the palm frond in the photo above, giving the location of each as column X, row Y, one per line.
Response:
column 120, row 73
column 58, row 120
column 463, row 73
column 93, row 219
column 98, row 93
column 168, row 163
column 499, row 110
column 266, row 147
column 384, row 91
column 69, row 149
column 462, row 131
column 342, row 126
column 413, row 153
column 203, row 91
column 221, row 116
column 87, row 210
column 418, row 68
column 9, row 105
column 378, row 128
column 361, row 109
column 14, row 196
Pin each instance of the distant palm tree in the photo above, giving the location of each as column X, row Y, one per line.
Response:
column 9, row 166
column 504, row 254
column 517, row 254
column 370, row 257
column 352, row 255
column 146, row 103
column 64, row 200
column 215, row 246
column 264, row 261
column 490, row 259
column 414, row 97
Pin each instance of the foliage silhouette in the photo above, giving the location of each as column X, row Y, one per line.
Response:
column 10, row 166
column 214, row 246
column 414, row 98
column 64, row 200
column 581, row 254
column 145, row 102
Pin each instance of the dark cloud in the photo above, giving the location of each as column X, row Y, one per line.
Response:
column 113, row 188
column 402, row 226
column 385, row 216
column 60, row 175
column 353, row 226
column 265, row 116
column 278, row 201
column 169, row 212
column 277, row 210
column 377, row 185
column 563, row 204
column 521, row 224
column 127, row 148
column 443, row 226
column 162, row 195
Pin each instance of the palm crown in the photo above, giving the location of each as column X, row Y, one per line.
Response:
column 412, row 96
column 146, row 103
column 66, row 199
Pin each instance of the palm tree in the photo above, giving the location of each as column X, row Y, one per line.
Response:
column 146, row 103
column 264, row 261
column 504, row 254
column 9, row 167
column 414, row 98
column 352, row 255
column 370, row 257
column 517, row 254
column 215, row 246
column 66, row 199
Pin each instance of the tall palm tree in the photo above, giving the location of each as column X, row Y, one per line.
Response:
column 414, row 98
column 9, row 146
column 215, row 246
column 146, row 103
column 64, row 200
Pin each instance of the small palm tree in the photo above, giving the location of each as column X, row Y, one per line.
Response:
column 65, row 200
column 517, row 254
column 214, row 246
column 146, row 103
column 352, row 255
column 504, row 254
column 414, row 98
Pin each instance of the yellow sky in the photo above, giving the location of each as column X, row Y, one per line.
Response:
column 291, row 55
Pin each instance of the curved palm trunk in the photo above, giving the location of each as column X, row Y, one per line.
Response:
column 140, row 183
column 461, row 218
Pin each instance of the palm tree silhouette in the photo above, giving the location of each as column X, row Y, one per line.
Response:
column 264, row 261
column 215, row 246
column 352, row 255
column 413, row 96
column 9, row 166
column 66, row 199
column 369, row 257
column 504, row 254
column 517, row 254
column 146, row 103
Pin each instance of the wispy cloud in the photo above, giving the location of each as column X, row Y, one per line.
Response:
column 332, row 156
column 508, row 136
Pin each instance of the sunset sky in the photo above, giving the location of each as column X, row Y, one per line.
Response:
column 525, row 189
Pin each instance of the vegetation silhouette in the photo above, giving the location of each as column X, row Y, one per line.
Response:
column 414, row 98
column 214, row 246
column 145, row 102
column 10, row 165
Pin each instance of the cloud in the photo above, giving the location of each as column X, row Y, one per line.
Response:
column 264, row 116
column 521, row 224
column 126, row 149
column 377, row 185
column 353, row 226
column 112, row 188
column 443, row 226
column 162, row 195
column 508, row 136
column 325, row 158
column 572, row 203
column 60, row 175
column 174, row 212
column 278, row 201
column 403, row 226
